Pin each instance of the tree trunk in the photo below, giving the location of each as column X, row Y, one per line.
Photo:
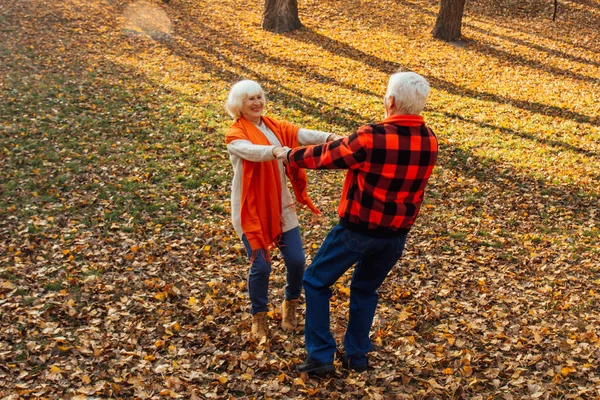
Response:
column 281, row 16
column 449, row 20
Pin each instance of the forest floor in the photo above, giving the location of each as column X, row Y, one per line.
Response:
column 121, row 276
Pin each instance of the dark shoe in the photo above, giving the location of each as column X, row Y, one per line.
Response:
column 346, row 363
column 313, row 367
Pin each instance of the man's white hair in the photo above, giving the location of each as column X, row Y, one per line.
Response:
column 409, row 90
column 238, row 93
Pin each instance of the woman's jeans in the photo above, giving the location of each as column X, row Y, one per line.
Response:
column 291, row 250
column 374, row 259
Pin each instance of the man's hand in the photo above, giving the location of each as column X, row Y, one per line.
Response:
column 283, row 156
column 278, row 151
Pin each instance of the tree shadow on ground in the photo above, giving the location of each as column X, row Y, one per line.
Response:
column 570, row 19
column 388, row 67
column 235, row 71
column 516, row 59
column 489, row 12
column 542, row 49
column 560, row 145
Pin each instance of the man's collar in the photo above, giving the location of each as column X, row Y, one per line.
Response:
column 404, row 120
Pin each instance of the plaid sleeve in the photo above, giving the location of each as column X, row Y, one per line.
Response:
column 347, row 153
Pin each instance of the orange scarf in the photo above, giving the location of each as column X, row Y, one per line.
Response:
column 261, row 184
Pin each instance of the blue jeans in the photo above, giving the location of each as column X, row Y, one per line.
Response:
column 290, row 246
column 374, row 258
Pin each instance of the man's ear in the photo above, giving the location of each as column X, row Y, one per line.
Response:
column 391, row 103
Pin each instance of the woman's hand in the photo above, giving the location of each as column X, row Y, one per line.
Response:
column 283, row 156
column 278, row 151
column 333, row 137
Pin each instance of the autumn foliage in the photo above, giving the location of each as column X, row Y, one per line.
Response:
column 121, row 276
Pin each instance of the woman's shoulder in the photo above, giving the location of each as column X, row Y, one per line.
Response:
column 235, row 131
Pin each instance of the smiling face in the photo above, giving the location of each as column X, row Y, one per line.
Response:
column 252, row 107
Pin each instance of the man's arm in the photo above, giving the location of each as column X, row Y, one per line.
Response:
column 347, row 153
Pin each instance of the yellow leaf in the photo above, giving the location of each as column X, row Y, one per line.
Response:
column 7, row 285
column 55, row 370
column 176, row 327
column 246, row 377
column 192, row 301
column 86, row 379
column 315, row 246
column 135, row 249
column 223, row 379
column 448, row 371
column 207, row 248
column 567, row 370
column 467, row 370
column 402, row 316
column 299, row 382
column 161, row 296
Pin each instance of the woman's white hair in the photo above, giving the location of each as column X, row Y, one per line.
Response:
column 238, row 93
column 409, row 90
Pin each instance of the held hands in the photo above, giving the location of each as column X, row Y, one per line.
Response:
column 280, row 153
column 334, row 137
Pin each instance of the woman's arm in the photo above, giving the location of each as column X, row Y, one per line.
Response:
column 308, row 137
column 253, row 152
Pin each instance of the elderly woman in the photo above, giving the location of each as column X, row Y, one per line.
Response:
column 262, row 207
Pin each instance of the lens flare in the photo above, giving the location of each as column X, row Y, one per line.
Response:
column 144, row 18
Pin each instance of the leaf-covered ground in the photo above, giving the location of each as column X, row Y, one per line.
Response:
column 120, row 274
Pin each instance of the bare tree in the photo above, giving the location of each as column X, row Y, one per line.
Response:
column 449, row 20
column 281, row 16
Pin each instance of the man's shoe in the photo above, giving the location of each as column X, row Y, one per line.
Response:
column 346, row 363
column 313, row 367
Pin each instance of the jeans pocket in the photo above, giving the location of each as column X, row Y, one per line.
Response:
column 356, row 242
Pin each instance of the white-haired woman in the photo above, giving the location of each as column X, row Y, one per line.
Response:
column 262, row 207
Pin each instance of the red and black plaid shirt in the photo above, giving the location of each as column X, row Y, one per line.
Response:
column 388, row 165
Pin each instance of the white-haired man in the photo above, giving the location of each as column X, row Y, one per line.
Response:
column 389, row 164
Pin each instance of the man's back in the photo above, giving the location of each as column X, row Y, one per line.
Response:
column 388, row 164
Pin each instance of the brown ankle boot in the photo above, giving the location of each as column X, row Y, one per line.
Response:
column 260, row 327
column 289, row 317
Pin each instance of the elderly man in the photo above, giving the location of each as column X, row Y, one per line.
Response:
column 389, row 164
